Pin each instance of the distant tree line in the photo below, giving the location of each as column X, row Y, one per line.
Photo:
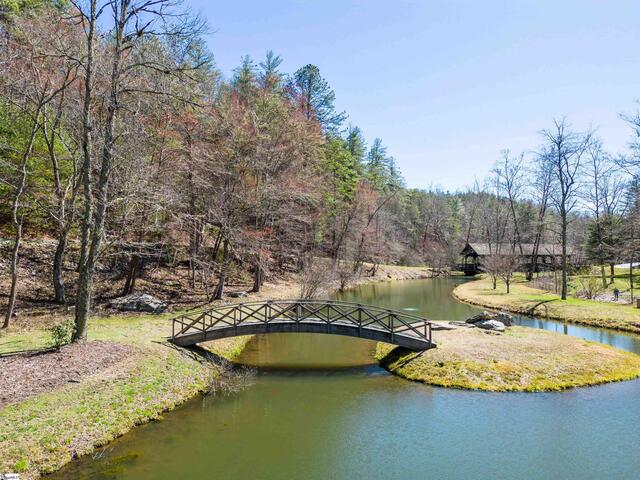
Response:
column 118, row 133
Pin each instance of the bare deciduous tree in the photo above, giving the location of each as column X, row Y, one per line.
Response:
column 563, row 151
column 509, row 172
column 132, row 27
column 31, row 80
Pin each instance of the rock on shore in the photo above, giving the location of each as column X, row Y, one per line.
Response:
column 138, row 302
column 491, row 321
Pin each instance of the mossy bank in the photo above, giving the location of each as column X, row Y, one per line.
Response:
column 521, row 359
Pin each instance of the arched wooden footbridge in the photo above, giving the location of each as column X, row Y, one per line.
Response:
column 304, row 316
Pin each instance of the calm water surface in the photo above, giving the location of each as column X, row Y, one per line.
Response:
column 320, row 409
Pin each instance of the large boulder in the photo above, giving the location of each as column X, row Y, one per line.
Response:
column 138, row 302
column 493, row 325
column 237, row 294
column 501, row 317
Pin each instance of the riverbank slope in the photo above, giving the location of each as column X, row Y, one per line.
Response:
column 51, row 424
column 527, row 300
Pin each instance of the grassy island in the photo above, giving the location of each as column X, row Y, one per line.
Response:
column 521, row 359
column 528, row 300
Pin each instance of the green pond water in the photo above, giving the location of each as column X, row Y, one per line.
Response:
column 320, row 408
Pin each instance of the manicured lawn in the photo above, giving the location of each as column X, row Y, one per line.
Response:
column 523, row 298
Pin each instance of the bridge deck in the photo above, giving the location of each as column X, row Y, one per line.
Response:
column 304, row 316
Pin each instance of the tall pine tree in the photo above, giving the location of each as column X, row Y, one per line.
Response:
column 316, row 98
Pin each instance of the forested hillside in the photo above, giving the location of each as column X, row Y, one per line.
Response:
column 122, row 143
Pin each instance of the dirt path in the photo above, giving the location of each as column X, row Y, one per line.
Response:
column 25, row 376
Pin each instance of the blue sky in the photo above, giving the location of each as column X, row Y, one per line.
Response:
column 448, row 84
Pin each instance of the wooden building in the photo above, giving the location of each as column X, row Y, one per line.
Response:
column 549, row 256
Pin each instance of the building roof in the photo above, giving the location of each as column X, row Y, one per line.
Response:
column 483, row 249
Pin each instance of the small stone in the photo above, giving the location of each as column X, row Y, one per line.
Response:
column 493, row 325
column 480, row 317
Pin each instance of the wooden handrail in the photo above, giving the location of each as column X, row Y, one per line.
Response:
column 300, row 311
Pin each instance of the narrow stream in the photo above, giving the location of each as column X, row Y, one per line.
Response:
column 319, row 408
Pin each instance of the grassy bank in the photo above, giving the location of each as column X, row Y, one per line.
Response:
column 521, row 359
column 42, row 433
column 527, row 300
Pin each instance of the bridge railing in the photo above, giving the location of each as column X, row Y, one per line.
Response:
column 295, row 311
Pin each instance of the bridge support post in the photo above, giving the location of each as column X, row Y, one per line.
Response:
column 235, row 321
column 390, row 320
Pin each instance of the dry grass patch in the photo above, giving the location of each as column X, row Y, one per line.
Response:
column 522, row 359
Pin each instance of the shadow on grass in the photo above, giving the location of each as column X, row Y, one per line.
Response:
column 195, row 352
column 399, row 356
column 29, row 353
column 228, row 377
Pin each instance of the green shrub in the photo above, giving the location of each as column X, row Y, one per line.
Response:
column 62, row 333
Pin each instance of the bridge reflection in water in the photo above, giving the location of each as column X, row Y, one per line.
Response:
column 304, row 316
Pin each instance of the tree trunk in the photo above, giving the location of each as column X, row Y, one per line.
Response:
column 63, row 219
column 195, row 242
column 258, row 275
column 132, row 275
column 219, row 292
column 631, row 279
column 565, row 266
column 58, row 264
column 216, row 247
column 87, row 269
column 85, row 279
column 17, row 220
column 612, row 271
column 14, row 274
column 603, row 274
